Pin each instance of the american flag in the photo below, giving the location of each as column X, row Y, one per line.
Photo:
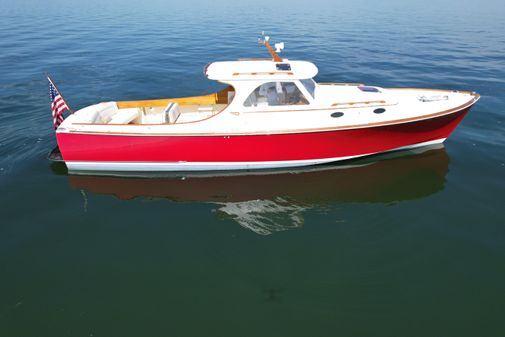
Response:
column 58, row 104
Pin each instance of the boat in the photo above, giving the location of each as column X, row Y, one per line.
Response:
column 272, row 114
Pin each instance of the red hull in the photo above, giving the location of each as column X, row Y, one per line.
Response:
column 255, row 148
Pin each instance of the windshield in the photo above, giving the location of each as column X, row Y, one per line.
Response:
column 276, row 93
column 310, row 85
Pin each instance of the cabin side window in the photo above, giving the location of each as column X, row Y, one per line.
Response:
column 275, row 94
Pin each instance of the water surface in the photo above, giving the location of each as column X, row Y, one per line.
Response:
column 406, row 245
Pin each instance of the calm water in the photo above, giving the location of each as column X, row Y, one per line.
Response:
column 406, row 245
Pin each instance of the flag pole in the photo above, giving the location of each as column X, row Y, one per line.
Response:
column 61, row 95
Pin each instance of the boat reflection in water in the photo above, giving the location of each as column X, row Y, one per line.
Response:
column 267, row 202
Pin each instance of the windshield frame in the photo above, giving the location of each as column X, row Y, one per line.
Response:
column 310, row 85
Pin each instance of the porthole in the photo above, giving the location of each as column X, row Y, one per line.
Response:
column 337, row 114
column 379, row 110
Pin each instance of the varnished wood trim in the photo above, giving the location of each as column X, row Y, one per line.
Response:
column 354, row 103
column 319, row 109
column 220, row 97
column 272, row 52
column 436, row 90
column 265, row 73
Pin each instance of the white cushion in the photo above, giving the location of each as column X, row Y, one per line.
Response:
column 88, row 117
column 85, row 115
column 124, row 116
column 106, row 111
column 172, row 111
column 157, row 118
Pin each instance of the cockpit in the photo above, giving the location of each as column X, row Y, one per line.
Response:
column 276, row 94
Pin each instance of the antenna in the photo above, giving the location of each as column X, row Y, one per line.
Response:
column 279, row 46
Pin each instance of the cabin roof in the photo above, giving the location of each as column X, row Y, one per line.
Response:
column 260, row 70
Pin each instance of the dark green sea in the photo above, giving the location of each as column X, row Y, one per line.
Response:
column 404, row 244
